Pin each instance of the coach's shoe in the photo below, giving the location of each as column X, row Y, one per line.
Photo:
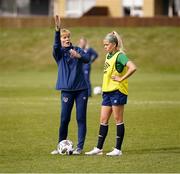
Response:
column 115, row 152
column 77, row 151
column 54, row 152
column 95, row 151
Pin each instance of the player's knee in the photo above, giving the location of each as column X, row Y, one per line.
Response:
column 118, row 120
column 65, row 120
column 81, row 120
column 104, row 121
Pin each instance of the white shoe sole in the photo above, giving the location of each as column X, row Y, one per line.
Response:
column 101, row 153
column 76, row 153
column 54, row 153
column 113, row 155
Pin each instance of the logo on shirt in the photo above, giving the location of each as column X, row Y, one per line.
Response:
column 65, row 99
column 115, row 101
column 85, row 72
column 106, row 66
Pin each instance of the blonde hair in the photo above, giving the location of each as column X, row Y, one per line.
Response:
column 114, row 37
column 65, row 31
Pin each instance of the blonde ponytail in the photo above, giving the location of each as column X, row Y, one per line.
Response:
column 114, row 37
column 120, row 42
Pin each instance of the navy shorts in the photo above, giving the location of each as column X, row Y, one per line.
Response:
column 114, row 98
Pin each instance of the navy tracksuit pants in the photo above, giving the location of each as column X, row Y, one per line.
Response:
column 67, row 101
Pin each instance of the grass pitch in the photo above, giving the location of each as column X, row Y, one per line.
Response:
column 29, row 109
column 29, row 118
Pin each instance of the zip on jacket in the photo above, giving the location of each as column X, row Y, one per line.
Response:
column 70, row 70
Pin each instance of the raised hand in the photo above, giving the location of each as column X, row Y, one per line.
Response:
column 74, row 54
column 57, row 21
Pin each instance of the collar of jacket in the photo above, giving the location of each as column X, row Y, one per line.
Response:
column 66, row 49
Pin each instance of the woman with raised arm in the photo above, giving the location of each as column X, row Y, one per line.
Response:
column 71, row 82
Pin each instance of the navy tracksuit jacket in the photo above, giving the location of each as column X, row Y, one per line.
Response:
column 73, row 86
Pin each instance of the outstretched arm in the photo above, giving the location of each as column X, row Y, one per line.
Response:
column 57, row 42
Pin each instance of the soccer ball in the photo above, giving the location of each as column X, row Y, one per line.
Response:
column 97, row 90
column 65, row 147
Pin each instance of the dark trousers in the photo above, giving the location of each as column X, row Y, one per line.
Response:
column 67, row 101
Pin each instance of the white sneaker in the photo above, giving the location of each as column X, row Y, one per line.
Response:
column 54, row 152
column 95, row 151
column 77, row 151
column 115, row 152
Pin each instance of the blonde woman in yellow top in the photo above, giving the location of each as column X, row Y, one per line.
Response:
column 117, row 69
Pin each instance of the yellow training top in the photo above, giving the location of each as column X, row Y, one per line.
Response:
column 110, row 69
